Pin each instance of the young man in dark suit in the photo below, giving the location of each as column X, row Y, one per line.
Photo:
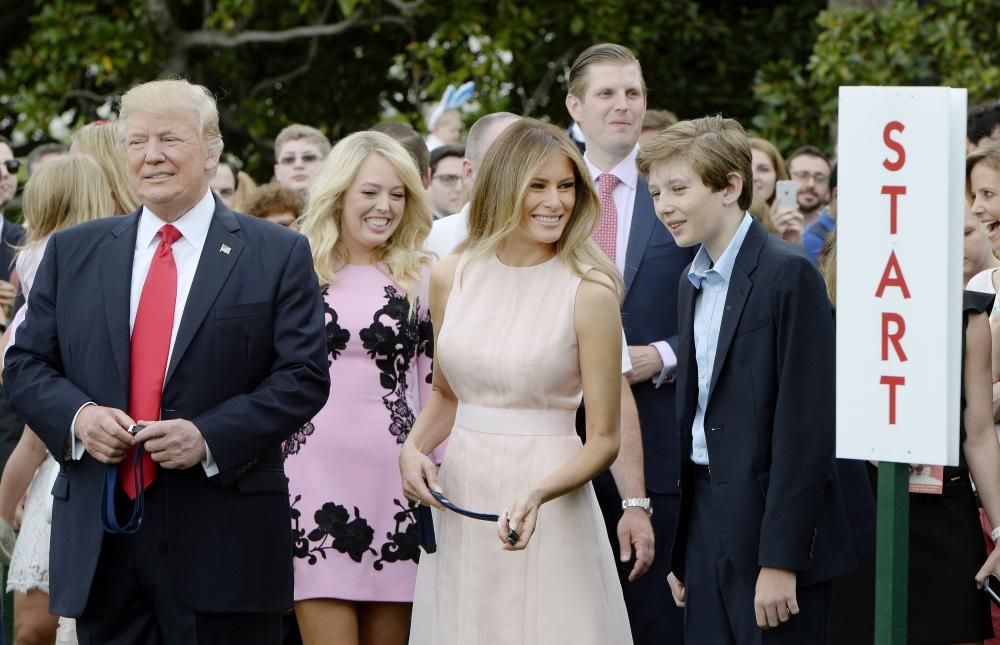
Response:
column 206, row 327
column 762, row 527
column 606, row 96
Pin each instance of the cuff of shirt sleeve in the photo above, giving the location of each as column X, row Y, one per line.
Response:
column 208, row 463
column 626, row 361
column 75, row 450
column 669, row 359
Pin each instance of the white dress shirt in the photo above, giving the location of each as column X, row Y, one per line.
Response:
column 712, row 282
column 624, row 195
column 193, row 226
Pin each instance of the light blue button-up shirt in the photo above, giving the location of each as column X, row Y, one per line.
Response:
column 712, row 281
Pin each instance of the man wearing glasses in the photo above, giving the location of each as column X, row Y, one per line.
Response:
column 810, row 169
column 11, row 236
column 298, row 152
column 447, row 191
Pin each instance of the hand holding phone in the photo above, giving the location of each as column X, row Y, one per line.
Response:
column 992, row 588
column 786, row 194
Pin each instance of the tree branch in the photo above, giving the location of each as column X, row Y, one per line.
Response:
column 161, row 19
column 213, row 38
column 301, row 69
column 543, row 87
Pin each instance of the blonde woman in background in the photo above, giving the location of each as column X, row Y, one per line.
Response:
column 99, row 140
column 62, row 193
column 355, row 541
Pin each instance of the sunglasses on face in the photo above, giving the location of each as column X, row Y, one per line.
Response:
column 306, row 157
column 12, row 166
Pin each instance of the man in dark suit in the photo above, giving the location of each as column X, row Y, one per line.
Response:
column 763, row 525
column 226, row 359
column 11, row 236
column 607, row 99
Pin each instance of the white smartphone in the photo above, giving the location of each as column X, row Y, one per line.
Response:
column 786, row 193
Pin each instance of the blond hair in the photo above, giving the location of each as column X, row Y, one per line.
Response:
column 298, row 131
column 245, row 189
column 989, row 155
column 403, row 252
column 780, row 169
column 99, row 141
column 714, row 146
column 602, row 54
column 495, row 209
column 64, row 192
column 171, row 96
column 827, row 261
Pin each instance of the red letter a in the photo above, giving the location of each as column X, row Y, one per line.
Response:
column 892, row 277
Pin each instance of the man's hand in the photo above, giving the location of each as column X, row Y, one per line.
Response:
column 7, row 294
column 175, row 445
column 774, row 601
column 677, row 589
column 104, row 433
column 635, row 530
column 646, row 363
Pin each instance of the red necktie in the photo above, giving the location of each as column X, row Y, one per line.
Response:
column 606, row 232
column 154, row 323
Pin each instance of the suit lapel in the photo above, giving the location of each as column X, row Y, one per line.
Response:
column 116, row 278
column 214, row 267
column 643, row 220
column 685, row 347
column 736, row 299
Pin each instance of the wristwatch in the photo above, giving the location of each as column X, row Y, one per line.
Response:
column 638, row 502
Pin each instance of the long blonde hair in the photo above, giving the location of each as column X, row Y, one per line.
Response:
column 502, row 181
column 99, row 140
column 403, row 252
column 64, row 192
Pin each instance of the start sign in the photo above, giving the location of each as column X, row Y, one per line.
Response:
column 900, row 170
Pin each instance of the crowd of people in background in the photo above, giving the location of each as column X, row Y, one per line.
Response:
column 524, row 322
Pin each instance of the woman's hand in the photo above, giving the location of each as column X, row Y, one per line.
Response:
column 789, row 222
column 419, row 475
column 521, row 520
column 990, row 567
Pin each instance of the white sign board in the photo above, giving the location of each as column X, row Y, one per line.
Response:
column 900, row 171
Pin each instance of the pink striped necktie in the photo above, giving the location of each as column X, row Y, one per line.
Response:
column 606, row 232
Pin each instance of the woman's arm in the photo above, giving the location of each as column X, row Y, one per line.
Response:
column 981, row 449
column 437, row 416
column 598, row 332
column 28, row 455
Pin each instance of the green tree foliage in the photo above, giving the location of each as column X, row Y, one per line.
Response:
column 948, row 42
column 342, row 65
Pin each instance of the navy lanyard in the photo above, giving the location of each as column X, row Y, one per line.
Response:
column 109, row 514
column 425, row 522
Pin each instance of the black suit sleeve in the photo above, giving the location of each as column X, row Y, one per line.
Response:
column 33, row 368
column 241, row 428
column 803, row 435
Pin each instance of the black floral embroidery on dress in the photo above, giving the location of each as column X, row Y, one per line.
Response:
column 300, row 545
column 393, row 339
column 404, row 541
column 294, row 443
column 336, row 336
column 335, row 530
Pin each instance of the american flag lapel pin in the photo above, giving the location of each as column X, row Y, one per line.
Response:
column 225, row 249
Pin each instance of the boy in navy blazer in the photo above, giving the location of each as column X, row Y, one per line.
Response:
column 762, row 527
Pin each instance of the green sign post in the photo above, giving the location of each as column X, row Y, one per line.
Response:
column 892, row 554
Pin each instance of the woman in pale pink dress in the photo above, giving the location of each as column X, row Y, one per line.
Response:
column 355, row 542
column 526, row 324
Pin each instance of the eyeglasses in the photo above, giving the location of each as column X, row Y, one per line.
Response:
column 306, row 157
column 447, row 180
column 819, row 178
column 12, row 166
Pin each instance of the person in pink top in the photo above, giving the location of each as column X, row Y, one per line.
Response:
column 355, row 541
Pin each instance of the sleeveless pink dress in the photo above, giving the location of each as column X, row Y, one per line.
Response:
column 509, row 351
